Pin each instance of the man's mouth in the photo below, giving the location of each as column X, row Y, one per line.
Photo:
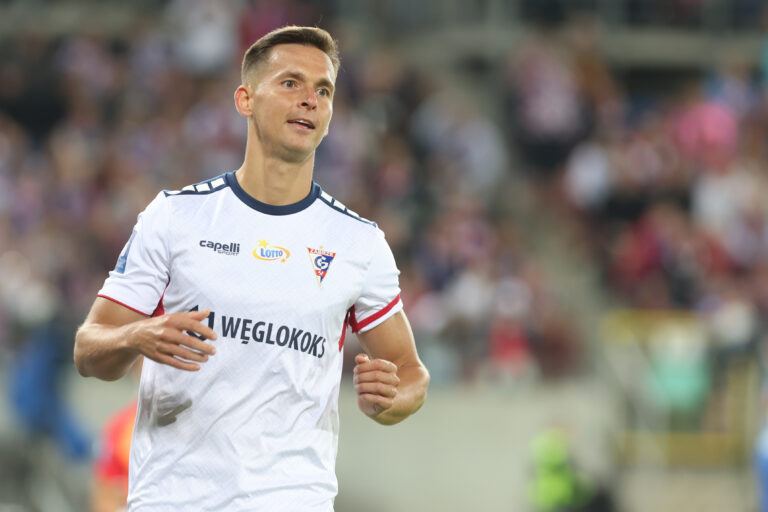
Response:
column 303, row 122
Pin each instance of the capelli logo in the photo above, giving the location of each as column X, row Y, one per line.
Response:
column 230, row 249
column 269, row 252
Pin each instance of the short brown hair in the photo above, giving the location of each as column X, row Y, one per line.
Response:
column 310, row 36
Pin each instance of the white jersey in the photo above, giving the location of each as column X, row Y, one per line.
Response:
column 257, row 427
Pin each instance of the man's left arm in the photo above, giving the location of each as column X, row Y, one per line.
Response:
column 390, row 379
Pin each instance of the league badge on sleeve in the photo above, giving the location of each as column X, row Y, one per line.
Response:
column 321, row 261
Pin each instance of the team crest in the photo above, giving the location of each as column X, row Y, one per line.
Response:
column 269, row 252
column 321, row 261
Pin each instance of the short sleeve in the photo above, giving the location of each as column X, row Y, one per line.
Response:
column 380, row 295
column 142, row 271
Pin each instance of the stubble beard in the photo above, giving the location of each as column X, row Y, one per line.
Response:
column 273, row 147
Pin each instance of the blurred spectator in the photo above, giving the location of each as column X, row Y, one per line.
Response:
column 761, row 452
column 37, row 392
column 109, row 481
column 30, row 92
column 705, row 131
column 588, row 176
column 261, row 16
column 557, row 484
column 205, row 36
column 510, row 338
column 109, row 488
column 679, row 379
column 546, row 106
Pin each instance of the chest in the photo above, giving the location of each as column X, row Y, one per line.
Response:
column 268, row 267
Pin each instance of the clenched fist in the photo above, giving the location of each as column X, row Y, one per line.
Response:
column 376, row 384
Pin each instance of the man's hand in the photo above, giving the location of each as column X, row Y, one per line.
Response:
column 376, row 384
column 113, row 336
column 164, row 340
column 393, row 385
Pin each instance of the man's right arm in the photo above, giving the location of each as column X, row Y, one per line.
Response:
column 113, row 336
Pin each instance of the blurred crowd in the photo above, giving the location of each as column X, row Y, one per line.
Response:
column 668, row 192
column 92, row 127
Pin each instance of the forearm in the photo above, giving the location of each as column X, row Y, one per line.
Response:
column 411, row 393
column 104, row 351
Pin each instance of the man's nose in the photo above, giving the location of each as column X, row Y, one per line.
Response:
column 310, row 100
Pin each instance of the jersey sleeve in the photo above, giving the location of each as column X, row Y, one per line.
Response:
column 380, row 295
column 142, row 271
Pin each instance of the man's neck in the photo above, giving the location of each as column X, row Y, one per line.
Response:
column 273, row 181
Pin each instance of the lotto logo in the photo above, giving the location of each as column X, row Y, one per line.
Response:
column 269, row 252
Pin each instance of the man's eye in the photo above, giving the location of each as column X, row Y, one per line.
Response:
column 289, row 83
column 323, row 92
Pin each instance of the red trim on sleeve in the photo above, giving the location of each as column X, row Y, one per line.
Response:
column 160, row 309
column 356, row 326
column 352, row 321
column 344, row 329
column 122, row 304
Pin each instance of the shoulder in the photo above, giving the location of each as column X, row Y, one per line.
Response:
column 208, row 186
column 336, row 207
column 169, row 205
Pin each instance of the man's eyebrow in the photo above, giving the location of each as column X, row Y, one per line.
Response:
column 326, row 83
column 298, row 75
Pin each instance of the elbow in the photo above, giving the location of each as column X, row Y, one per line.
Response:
column 425, row 385
column 421, row 396
column 92, row 359
column 81, row 367
column 84, row 358
column 78, row 356
column 388, row 420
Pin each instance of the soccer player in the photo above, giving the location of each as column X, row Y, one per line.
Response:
column 238, row 291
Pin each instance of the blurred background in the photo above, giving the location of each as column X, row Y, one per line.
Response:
column 576, row 193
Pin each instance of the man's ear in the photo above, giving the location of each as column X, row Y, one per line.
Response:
column 243, row 101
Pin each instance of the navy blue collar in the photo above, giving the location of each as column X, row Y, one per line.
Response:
column 271, row 209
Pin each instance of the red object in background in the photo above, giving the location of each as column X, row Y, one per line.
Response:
column 509, row 344
column 112, row 463
column 706, row 132
column 636, row 255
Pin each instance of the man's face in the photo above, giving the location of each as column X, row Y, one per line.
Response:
column 292, row 101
